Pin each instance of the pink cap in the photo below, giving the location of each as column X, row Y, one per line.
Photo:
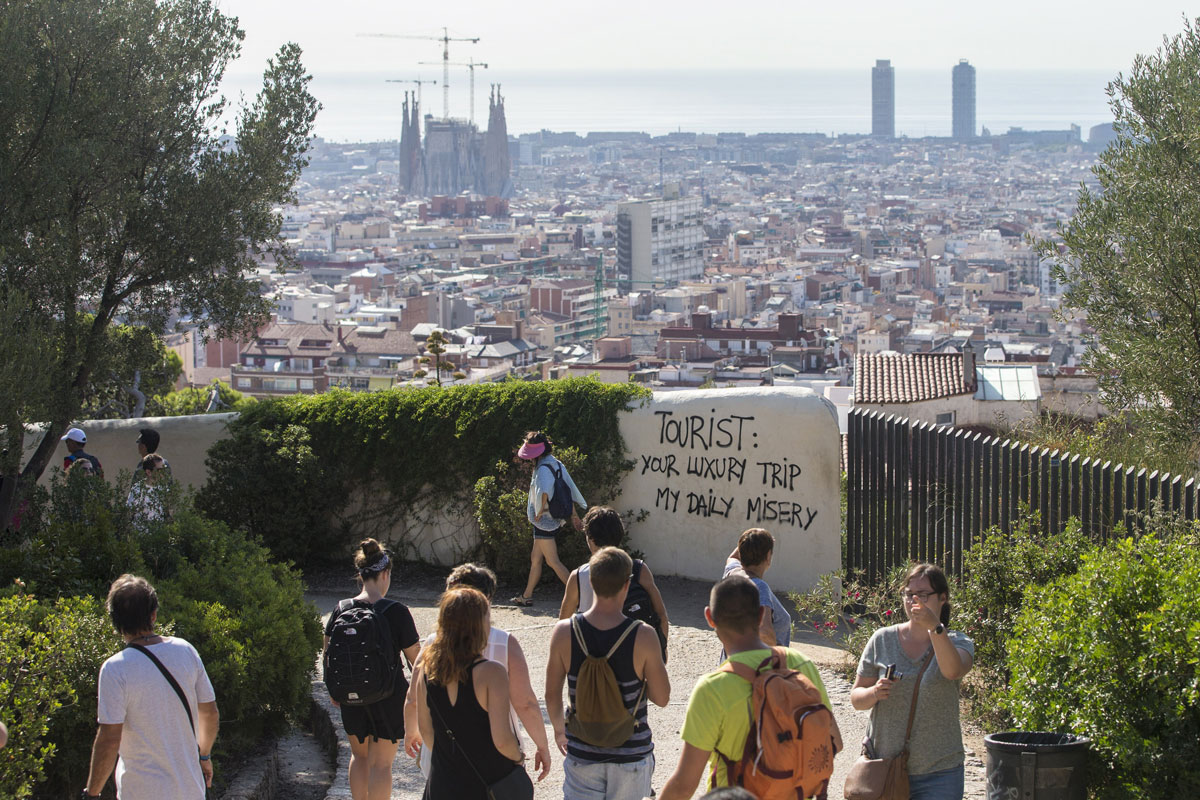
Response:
column 530, row 450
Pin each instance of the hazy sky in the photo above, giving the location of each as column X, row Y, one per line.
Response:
column 669, row 34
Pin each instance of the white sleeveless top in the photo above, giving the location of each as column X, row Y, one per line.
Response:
column 586, row 595
column 496, row 650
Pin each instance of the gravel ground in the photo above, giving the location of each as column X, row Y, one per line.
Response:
column 693, row 650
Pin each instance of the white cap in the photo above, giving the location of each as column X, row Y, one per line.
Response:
column 75, row 435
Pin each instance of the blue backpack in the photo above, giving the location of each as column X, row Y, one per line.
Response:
column 561, row 506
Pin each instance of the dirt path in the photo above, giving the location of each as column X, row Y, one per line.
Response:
column 693, row 651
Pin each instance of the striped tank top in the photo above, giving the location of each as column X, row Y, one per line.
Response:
column 640, row 744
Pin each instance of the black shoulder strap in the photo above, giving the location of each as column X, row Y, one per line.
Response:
column 384, row 604
column 637, row 571
column 171, row 680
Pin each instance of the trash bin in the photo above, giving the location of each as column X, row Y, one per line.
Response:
column 1026, row 765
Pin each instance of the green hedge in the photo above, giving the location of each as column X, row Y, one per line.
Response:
column 1113, row 653
column 290, row 469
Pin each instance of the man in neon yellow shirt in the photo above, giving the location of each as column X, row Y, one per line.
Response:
column 718, row 713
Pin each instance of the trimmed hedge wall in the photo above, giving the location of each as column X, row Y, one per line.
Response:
column 291, row 467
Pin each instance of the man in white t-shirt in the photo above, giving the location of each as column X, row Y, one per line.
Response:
column 157, row 730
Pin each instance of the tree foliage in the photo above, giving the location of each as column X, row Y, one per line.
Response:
column 198, row 400
column 134, row 366
column 121, row 197
column 1130, row 258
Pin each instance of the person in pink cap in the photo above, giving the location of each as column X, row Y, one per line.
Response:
column 538, row 448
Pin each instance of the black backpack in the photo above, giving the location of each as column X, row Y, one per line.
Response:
column 361, row 663
column 637, row 602
column 561, row 505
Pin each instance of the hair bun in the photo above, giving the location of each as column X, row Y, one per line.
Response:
column 370, row 548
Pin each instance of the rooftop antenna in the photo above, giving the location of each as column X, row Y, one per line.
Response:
column 470, row 64
column 445, row 39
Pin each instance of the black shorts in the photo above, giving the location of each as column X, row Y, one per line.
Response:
column 382, row 720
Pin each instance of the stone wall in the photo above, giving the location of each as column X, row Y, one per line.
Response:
column 708, row 465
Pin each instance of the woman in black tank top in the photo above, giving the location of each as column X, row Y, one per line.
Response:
column 462, row 703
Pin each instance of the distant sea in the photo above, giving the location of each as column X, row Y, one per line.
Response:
column 363, row 107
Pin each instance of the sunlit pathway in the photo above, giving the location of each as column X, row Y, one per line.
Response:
column 693, row 651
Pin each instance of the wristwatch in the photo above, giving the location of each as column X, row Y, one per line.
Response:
column 85, row 796
column 940, row 629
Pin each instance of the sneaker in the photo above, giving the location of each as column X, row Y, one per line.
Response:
column 521, row 600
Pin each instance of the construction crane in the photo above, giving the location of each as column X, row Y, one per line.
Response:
column 445, row 39
column 471, row 65
column 418, row 82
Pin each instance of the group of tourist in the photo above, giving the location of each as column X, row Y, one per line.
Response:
column 470, row 682
column 150, row 473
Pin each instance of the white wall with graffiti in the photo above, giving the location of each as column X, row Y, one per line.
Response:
column 712, row 463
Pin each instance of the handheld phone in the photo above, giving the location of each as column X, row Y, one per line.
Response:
column 890, row 672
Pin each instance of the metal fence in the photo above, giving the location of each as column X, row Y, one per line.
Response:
column 918, row 491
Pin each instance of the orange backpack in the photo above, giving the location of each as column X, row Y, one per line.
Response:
column 793, row 737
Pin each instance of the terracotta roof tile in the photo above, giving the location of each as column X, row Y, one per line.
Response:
column 908, row 378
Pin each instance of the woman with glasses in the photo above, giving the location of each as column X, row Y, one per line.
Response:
column 935, row 758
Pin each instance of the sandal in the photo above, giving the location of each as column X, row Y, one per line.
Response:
column 521, row 600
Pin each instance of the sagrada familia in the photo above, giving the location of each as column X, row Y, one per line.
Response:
column 455, row 156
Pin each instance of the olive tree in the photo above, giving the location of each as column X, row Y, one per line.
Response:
column 123, row 199
column 1130, row 257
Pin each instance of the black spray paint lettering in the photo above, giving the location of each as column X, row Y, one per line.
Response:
column 779, row 475
column 730, row 468
column 664, row 464
column 668, row 499
column 709, row 505
column 785, row 512
column 697, row 432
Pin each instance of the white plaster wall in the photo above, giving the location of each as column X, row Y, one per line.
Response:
column 793, row 430
column 757, row 451
column 184, row 443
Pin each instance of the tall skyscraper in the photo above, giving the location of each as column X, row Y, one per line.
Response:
column 963, row 85
column 660, row 240
column 883, row 99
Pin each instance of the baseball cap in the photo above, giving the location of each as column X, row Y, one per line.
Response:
column 74, row 435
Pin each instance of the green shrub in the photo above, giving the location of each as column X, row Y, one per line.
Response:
column 74, row 539
column 291, row 469
column 219, row 589
column 997, row 574
column 269, row 481
column 50, row 654
column 1113, row 652
column 244, row 613
column 848, row 611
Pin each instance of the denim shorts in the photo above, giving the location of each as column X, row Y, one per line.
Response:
column 538, row 533
column 944, row 785
column 592, row 780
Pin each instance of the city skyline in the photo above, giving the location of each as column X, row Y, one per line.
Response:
column 919, row 35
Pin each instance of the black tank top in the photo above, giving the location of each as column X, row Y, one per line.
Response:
column 450, row 774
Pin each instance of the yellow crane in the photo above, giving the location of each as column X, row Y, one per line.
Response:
column 445, row 39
